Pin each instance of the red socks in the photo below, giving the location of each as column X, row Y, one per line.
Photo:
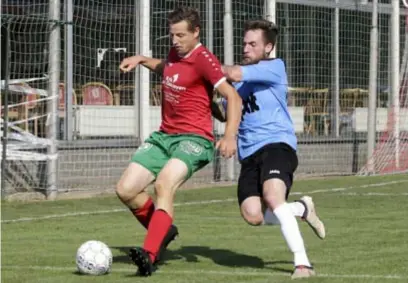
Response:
column 144, row 214
column 159, row 226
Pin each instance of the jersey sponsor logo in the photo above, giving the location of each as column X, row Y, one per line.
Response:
column 190, row 147
column 274, row 172
column 249, row 105
column 170, row 81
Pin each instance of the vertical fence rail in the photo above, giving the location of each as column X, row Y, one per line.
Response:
column 54, row 74
column 336, row 73
column 229, row 60
column 144, row 85
column 372, row 91
column 5, row 111
column 395, row 77
column 69, row 42
column 270, row 15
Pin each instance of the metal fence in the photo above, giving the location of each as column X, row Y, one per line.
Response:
column 92, row 117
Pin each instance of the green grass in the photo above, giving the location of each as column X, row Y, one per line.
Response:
column 366, row 237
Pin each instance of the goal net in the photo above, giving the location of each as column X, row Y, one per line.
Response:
column 24, row 97
column 391, row 152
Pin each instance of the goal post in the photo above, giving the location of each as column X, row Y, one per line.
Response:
column 29, row 95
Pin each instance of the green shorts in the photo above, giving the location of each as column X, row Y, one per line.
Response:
column 195, row 151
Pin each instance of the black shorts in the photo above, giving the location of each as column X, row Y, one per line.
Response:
column 275, row 160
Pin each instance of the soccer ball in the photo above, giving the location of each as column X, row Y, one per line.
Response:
column 94, row 258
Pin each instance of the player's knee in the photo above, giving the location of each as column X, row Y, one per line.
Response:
column 274, row 193
column 252, row 215
column 125, row 192
column 162, row 189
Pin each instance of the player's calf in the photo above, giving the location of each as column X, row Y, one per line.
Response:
column 170, row 236
column 167, row 182
column 274, row 196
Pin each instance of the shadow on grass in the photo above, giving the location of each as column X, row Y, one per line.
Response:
column 222, row 257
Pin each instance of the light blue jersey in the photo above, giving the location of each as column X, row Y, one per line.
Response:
column 265, row 114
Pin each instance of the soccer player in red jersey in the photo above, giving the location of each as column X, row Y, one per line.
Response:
column 185, row 142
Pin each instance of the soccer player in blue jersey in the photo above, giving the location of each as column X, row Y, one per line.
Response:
column 267, row 144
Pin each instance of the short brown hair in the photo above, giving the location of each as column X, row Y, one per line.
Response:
column 188, row 14
column 270, row 30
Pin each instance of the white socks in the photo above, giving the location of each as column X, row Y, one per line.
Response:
column 291, row 233
column 297, row 209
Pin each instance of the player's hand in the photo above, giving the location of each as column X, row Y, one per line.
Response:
column 130, row 63
column 227, row 145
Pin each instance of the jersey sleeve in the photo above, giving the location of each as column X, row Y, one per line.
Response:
column 268, row 71
column 209, row 67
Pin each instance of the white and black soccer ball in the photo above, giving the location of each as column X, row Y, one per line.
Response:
column 94, row 258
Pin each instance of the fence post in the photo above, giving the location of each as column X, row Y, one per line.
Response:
column 144, row 78
column 229, row 60
column 5, row 111
column 68, row 89
column 335, row 121
column 270, row 15
column 52, row 105
column 395, row 74
column 372, row 91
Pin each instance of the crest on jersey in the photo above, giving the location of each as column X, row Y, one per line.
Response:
column 190, row 147
column 170, row 81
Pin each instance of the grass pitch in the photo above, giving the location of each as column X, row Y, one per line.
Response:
column 365, row 220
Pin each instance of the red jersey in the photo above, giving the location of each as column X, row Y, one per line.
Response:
column 187, row 89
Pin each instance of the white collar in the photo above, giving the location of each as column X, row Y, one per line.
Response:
column 189, row 53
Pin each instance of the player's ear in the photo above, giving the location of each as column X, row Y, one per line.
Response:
column 268, row 48
column 196, row 32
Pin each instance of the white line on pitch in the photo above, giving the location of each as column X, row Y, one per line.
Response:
column 218, row 272
column 374, row 194
column 52, row 216
column 83, row 213
column 350, row 188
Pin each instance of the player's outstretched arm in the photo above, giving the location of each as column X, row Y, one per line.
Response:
column 153, row 64
column 266, row 71
column 234, row 110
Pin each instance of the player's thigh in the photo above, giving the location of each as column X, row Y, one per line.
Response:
column 133, row 181
column 249, row 192
column 152, row 154
column 173, row 174
column 145, row 165
column 196, row 152
column 279, row 163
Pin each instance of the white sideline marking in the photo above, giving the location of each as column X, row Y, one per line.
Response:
column 374, row 194
column 350, row 188
column 53, row 216
column 220, row 272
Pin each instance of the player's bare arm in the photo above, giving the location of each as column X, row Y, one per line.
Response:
column 232, row 73
column 227, row 145
column 153, row 64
